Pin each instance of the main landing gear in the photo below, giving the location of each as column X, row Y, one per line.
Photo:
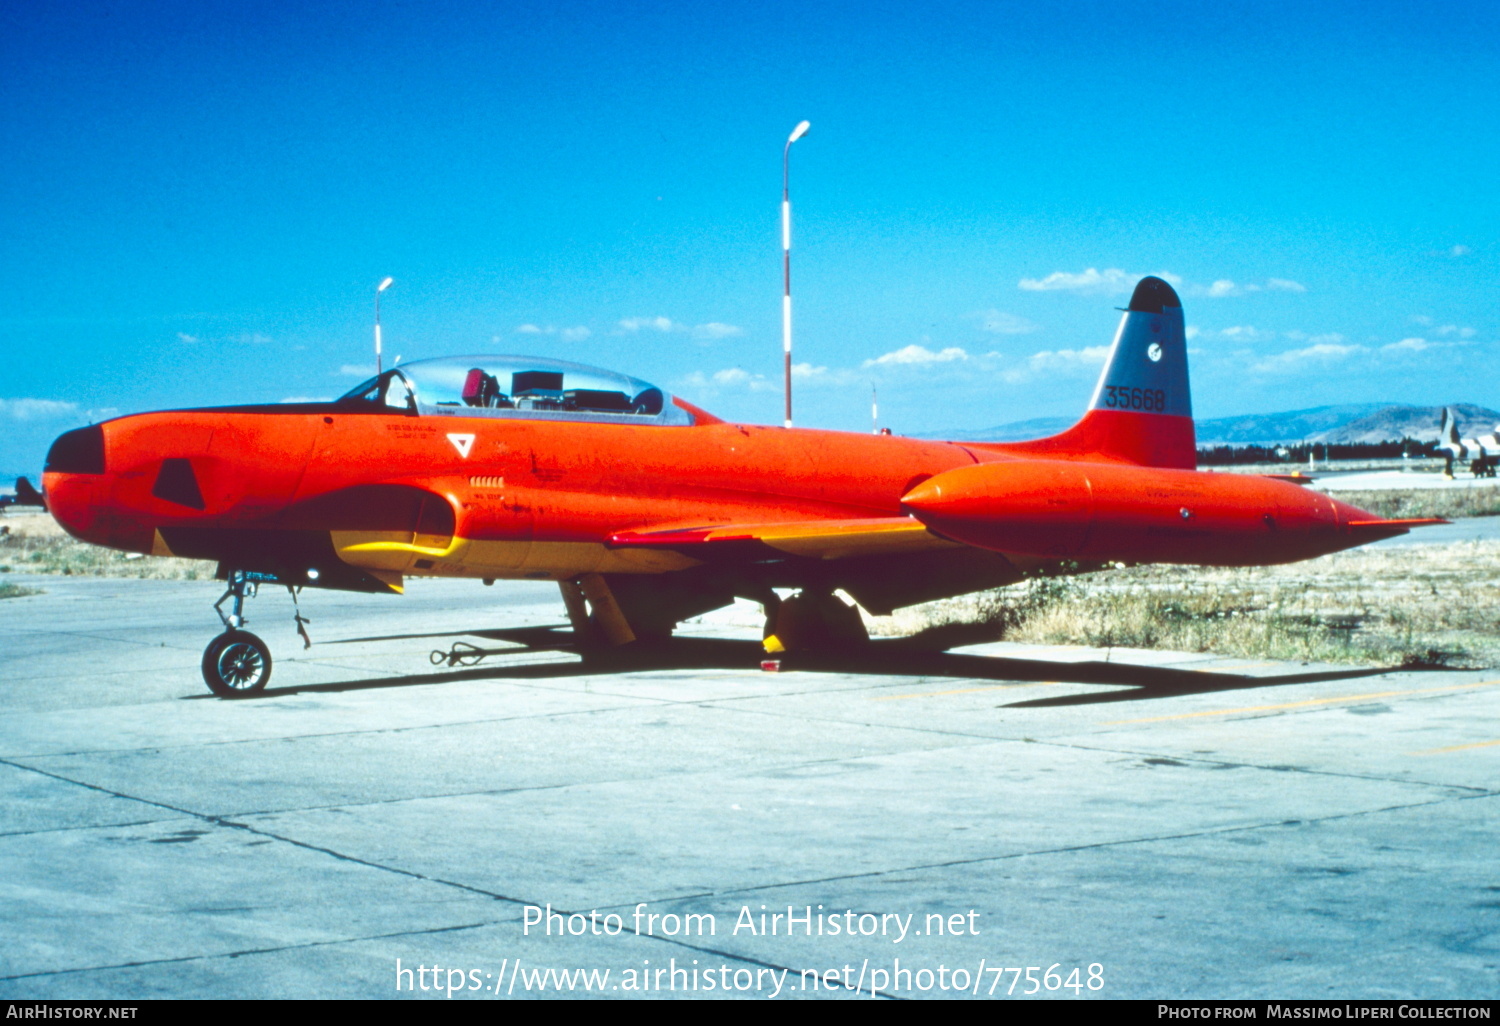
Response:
column 238, row 663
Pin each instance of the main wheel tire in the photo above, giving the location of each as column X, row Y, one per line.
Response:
column 236, row 663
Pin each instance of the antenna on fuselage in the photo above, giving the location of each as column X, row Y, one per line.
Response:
column 385, row 284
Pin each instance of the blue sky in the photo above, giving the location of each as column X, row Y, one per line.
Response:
column 199, row 198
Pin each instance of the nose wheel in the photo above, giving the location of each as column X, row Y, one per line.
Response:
column 236, row 663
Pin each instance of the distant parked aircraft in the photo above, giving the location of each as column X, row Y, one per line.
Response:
column 26, row 495
column 1483, row 452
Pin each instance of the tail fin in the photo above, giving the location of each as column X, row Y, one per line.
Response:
column 27, row 495
column 1142, row 411
column 1448, row 435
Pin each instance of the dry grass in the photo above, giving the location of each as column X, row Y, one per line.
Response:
column 1409, row 605
column 32, row 543
column 1448, row 503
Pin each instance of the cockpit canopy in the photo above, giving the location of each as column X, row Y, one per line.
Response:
column 518, row 386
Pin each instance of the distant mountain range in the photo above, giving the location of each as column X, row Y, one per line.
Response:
column 1349, row 423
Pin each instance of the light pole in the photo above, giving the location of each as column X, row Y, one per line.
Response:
column 385, row 284
column 786, row 261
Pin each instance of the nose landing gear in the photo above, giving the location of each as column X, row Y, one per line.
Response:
column 236, row 663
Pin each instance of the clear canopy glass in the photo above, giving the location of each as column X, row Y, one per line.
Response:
column 518, row 386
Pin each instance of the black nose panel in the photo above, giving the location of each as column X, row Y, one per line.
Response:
column 78, row 452
column 177, row 483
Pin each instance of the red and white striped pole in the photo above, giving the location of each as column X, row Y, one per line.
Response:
column 385, row 284
column 786, row 261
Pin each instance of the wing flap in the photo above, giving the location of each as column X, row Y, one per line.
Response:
column 813, row 539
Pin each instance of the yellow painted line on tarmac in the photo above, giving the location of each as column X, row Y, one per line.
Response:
column 1456, row 748
column 962, row 691
column 1233, row 667
column 1306, row 703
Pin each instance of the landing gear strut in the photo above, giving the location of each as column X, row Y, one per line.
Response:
column 813, row 621
column 236, row 663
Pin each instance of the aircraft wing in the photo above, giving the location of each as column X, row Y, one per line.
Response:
column 813, row 539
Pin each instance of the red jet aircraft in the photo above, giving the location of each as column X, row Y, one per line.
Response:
column 648, row 510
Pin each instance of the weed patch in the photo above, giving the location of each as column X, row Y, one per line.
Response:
column 1413, row 605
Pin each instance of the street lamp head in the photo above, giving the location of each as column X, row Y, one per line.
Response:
column 798, row 132
column 384, row 285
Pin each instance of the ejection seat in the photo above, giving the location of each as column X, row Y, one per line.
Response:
column 481, row 389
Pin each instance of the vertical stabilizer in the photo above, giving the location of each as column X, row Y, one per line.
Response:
column 1142, row 411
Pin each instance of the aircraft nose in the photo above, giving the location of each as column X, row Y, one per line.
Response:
column 80, row 451
column 72, row 479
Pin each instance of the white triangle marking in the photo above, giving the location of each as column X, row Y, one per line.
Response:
column 463, row 443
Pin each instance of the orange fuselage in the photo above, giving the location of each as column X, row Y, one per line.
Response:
column 355, row 498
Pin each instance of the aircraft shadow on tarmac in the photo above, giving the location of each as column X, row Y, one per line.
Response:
column 923, row 655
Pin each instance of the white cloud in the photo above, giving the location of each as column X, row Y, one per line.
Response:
column 808, row 372
column 1242, row 333
column 1224, row 287
column 255, row 338
column 1318, row 353
column 918, row 354
column 1460, row 251
column 1449, row 330
column 1110, row 281
column 732, row 378
column 839, row 377
column 633, row 324
column 36, row 409
column 576, row 334
column 1092, row 280
column 998, row 322
column 715, row 330
column 1411, row 345
column 1057, row 362
column 1068, row 359
column 183, row 336
column 709, row 332
column 357, row 370
column 1250, row 333
column 1192, row 331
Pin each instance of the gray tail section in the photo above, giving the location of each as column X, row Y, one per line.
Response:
column 1147, row 370
column 1141, row 412
column 1448, row 435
